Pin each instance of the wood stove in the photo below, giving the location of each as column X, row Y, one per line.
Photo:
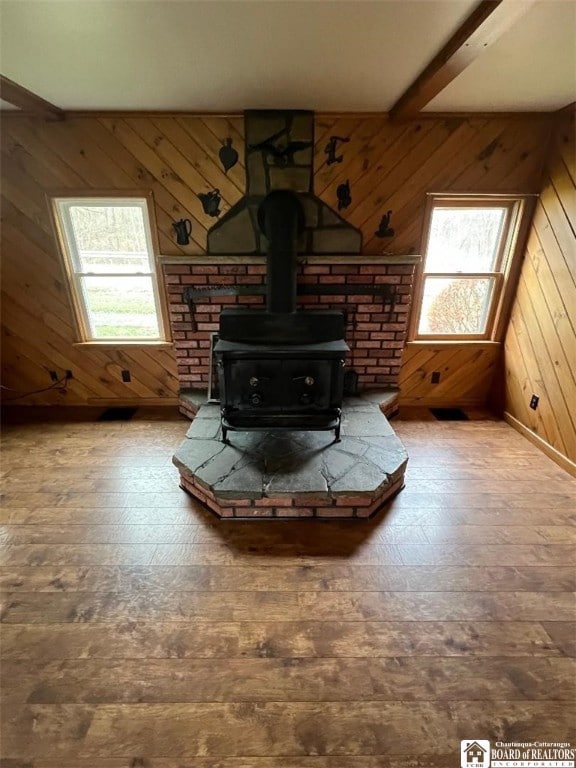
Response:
column 280, row 368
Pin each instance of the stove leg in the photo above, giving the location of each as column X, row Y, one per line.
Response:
column 337, row 434
column 224, row 434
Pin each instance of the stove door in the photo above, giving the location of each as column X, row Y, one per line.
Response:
column 251, row 383
column 282, row 384
column 306, row 383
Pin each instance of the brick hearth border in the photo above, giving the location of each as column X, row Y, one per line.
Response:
column 302, row 474
column 346, row 506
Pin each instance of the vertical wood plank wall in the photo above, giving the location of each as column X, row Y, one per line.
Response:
column 540, row 346
column 389, row 166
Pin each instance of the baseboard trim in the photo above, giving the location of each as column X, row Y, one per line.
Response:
column 122, row 402
column 552, row 453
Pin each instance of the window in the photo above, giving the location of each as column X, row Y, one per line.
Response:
column 107, row 246
column 466, row 260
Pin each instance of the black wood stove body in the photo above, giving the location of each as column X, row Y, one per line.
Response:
column 279, row 368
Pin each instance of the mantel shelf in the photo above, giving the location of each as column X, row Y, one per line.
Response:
column 257, row 259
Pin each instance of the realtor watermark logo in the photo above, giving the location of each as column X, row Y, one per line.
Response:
column 475, row 754
column 480, row 753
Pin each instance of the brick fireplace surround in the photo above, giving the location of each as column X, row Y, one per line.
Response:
column 376, row 324
column 377, row 319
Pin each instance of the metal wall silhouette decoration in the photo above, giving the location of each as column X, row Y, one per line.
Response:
column 384, row 228
column 280, row 154
column 228, row 155
column 210, row 202
column 331, row 148
column 343, row 195
column 183, row 229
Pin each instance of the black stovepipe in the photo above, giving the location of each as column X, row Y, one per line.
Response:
column 281, row 220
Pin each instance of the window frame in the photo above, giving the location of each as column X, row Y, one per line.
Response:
column 503, row 264
column 67, row 248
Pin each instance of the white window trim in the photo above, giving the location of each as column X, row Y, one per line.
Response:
column 61, row 206
column 507, row 247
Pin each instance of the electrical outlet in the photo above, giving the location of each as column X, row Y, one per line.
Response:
column 534, row 400
column 53, row 375
column 435, row 377
column 69, row 375
column 126, row 376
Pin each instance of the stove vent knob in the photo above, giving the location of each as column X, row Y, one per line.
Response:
column 309, row 381
column 255, row 399
column 254, row 381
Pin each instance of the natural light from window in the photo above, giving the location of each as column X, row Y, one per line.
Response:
column 108, row 248
column 462, row 269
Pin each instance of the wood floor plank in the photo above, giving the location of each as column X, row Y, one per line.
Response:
column 138, row 631
column 394, row 514
column 105, row 607
column 274, row 578
column 148, row 639
column 220, row 553
column 278, row 729
column 288, row 679
column 563, row 634
column 159, row 533
column 365, row 761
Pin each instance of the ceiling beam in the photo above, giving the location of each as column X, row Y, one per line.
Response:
column 27, row 101
column 489, row 20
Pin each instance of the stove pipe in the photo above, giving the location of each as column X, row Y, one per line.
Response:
column 281, row 220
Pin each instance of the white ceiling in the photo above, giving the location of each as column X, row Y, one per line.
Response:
column 230, row 55
column 533, row 66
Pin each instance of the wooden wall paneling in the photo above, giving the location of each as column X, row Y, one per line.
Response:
column 169, row 179
column 390, row 166
column 481, row 174
column 28, row 264
column 466, row 371
column 565, row 189
column 10, row 216
column 372, row 193
column 38, row 331
column 178, row 165
column 527, row 343
column 167, row 208
column 36, row 158
column 209, row 173
column 323, row 130
column 528, row 376
column 553, row 336
column 211, row 144
column 551, row 207
column 360, row 135
column 555, row 270
column 155, row 371
column 24, row 195
column 43, row 348
column 540, row 347
column 435, row 169
column 75, row 151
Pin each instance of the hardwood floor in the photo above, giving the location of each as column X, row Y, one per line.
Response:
column 139, row 631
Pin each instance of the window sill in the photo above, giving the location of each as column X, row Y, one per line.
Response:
column 453, row 342
column 115, row 344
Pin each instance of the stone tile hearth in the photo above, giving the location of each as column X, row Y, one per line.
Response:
column 294, row 474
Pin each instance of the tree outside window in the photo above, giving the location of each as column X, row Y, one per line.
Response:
column 107, row 247
column 465, row 260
